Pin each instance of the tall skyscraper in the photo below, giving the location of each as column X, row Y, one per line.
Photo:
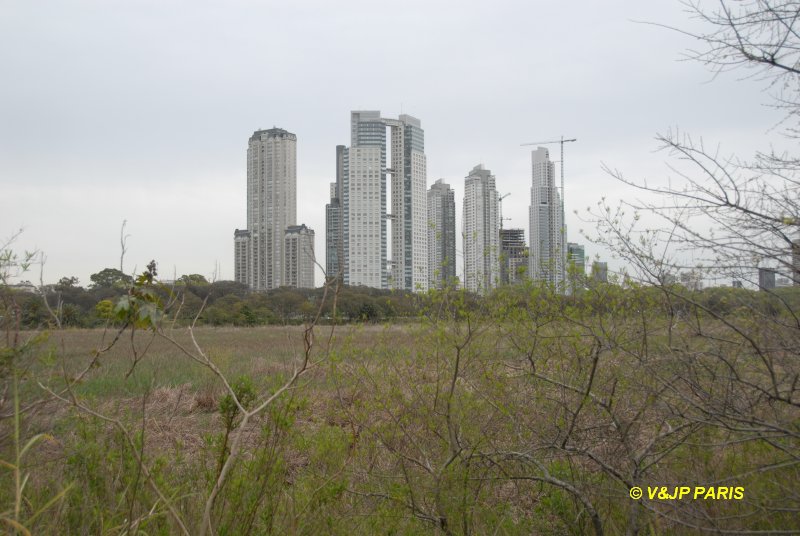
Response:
column 334, row 238
column 441, row 235
column 409, row 205
column 271, row 208
column 299, row 257
column 547, row 248
column 363, row 200
column 481, row 231
column 241, row 255
column 513, row 256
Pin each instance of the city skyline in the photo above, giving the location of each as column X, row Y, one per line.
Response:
column 387, row 158
column 154, row 136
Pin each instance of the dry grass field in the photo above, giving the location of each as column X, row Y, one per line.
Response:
column 519, row 419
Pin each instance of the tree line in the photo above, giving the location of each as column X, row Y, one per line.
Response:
column 218, row 303
column 192, row 298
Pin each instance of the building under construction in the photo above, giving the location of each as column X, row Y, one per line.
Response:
column 513, row 256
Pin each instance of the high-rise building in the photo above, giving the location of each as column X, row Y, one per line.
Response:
column 334, row 238
column 547, row 248
column 333, row 229
column 691, row 280
column 271, row 203
column 481, row 231
column 576, row 267
column 513, row 256
column 299, row 257
column 766, row 278
column 241, row 255
column 600, row 271
column 441, row 235
column 409, row 263
column 576, row 258
column 363, row 201
column 271, row 208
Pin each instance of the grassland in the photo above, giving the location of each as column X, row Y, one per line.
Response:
column 523, row 418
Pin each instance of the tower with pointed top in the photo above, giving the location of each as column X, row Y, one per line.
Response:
column 481, row 223
column 547, row 250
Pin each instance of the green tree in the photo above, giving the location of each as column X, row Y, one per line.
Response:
column 104, row 309
column 219, row 289
column 66, row 283
column 110, row 278
column 192, row 279
column 286, row 302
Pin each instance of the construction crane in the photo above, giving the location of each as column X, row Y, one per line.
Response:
column 500, row 202
column 562, row 141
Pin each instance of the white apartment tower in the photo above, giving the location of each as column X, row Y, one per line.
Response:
column 481, row 231
column 547, row 246
column 363, row 198
column 409, row 263
column 271, row 208
column 441, row 235
column 299, row 257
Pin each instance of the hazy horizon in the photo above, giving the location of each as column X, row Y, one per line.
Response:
column 142, row 112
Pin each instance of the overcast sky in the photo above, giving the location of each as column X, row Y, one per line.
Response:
column 141, row 110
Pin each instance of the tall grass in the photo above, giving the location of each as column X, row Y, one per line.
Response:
column 521, row 418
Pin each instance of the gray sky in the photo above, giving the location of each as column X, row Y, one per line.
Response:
column 141, row 110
